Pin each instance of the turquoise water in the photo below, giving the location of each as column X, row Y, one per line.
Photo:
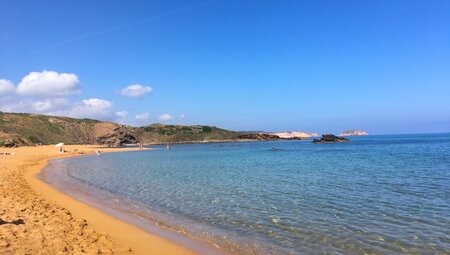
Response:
column 377, row 194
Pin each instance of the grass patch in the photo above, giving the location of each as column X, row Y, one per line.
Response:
column 149, row 129
column 34, row 139
column 207, row 129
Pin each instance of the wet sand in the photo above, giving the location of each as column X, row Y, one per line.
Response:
column 37, row 219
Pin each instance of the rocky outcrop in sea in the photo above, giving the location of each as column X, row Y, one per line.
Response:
column 329, row 138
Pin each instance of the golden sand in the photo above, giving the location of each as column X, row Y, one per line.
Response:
column 37, row 219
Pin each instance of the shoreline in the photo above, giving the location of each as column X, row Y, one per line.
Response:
column 224, row 141
column 84, row 222
column 121, row 208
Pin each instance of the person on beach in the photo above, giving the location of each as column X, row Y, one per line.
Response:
column 8, row 153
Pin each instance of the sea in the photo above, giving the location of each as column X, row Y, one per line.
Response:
column 386, row 194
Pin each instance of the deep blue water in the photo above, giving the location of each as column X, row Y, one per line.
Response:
column 377, row 194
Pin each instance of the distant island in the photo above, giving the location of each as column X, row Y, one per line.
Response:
column 354, row 132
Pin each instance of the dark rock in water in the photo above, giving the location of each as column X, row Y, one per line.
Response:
column 259, row 137
column 329, row 138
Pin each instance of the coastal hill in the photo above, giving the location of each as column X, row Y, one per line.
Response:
column 160, row 133
column 29, row 129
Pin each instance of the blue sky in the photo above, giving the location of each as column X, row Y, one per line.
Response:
column 322, row 66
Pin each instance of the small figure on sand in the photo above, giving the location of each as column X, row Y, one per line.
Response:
column 98, row 152
column 60, row 146
column 8, row 153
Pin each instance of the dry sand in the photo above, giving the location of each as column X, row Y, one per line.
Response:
column 36, row 219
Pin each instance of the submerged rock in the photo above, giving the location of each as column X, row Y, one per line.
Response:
column 329, row 138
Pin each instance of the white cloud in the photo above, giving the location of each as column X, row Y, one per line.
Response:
column 89, row 108
column 6, row 87
column 49, row 83
column 97, row 103
column 165, row 117
column 142, row 116
column 121, row 114
column 52, row 89
column 135, row 90
column 12, row 105
column 92, row 108
column 182, row 116
column 50, row 104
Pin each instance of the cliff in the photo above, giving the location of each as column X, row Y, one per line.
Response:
column 295, row 135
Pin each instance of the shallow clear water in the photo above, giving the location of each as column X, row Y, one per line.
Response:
column 377, row 194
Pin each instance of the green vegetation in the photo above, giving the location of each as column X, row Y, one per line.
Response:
column 207, row 129
column 148, row 129
column 159, row 133
column 34, row 128
column 34, row 139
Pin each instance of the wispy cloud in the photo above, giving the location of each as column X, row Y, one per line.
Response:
column 122, row 26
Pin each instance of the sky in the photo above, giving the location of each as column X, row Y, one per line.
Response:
column 315, row 66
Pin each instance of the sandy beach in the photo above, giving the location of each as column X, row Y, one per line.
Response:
column 37, row 219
